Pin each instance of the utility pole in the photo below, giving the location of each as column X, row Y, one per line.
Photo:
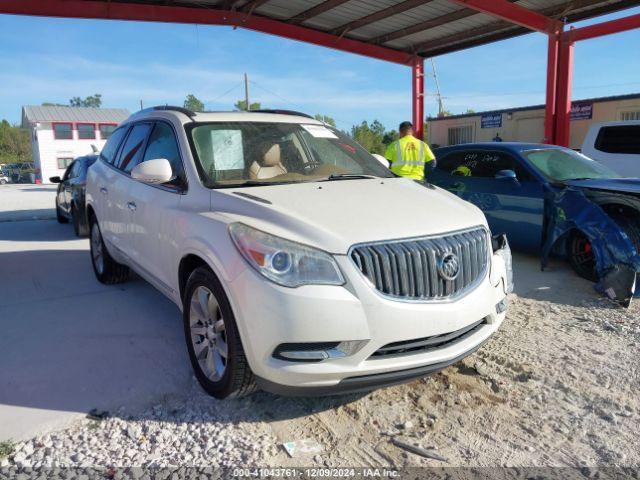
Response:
column 438, row 94
column 246, row 91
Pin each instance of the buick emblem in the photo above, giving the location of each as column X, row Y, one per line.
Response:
column 449, row 266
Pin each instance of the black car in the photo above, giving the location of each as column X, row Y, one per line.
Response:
column 70, row 204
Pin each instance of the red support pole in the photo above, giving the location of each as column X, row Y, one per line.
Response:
column 417, row 96
column 552, row 80
column 563, row 102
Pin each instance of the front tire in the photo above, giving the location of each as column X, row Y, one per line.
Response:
column 213, row 340
column 581, row 257
column 106, row 269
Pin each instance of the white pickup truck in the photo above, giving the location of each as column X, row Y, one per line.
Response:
column 616, row 145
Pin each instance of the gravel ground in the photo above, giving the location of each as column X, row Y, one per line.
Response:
column 556, row 386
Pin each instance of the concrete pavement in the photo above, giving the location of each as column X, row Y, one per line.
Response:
column 70, row 344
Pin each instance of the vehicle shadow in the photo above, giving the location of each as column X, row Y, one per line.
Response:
column 70, row 345
column 24, row 215
column 558, row 283
column 41, row 189
column 28, row 230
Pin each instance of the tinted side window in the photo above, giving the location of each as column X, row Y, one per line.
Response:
column 481, row 164
column 163, row 144
column 83, row 166
column 111, row 147
column 450, row 162
column 69, row 173
column 619, row 139
column 131, row 151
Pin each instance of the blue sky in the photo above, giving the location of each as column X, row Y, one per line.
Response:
column 50, row 59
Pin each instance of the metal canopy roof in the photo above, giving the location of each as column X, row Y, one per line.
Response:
column 418, row 27
column 63, row 113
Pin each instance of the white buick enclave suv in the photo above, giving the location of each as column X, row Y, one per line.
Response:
column 301, row 264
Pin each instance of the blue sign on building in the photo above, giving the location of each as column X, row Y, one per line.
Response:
column 491, row 120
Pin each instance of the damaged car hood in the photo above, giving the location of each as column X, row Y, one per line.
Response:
column 622, row 185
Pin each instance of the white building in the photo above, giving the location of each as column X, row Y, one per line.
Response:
column 60, row 134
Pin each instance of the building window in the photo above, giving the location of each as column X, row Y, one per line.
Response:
column 86, row 131
column 106, row 129
column 459, row 135
column 64, row 162
column 62, row 131
column 627, row 116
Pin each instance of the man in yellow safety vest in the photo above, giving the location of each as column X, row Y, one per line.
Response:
column 408, row 155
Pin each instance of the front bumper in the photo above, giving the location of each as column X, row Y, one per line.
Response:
column 269, row 315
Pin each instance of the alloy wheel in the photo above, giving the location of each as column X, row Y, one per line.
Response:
column 97, row 254
column 208, row 333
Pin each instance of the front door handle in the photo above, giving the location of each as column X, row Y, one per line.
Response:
column 132, row 206
column 103, row 190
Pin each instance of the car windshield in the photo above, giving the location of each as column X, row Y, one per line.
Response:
column 564, row 164
column 232, row 154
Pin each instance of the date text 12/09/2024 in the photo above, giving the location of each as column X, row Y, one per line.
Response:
column 315, row 472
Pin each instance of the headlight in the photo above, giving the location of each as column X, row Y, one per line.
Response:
column 285, row 262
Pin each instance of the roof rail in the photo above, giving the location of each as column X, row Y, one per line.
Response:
column 280, row 112
column 186, row 111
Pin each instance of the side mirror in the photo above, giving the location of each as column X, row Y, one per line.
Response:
column 153, row 171
column 55, row 179
column 381, row 159
column 506, row 175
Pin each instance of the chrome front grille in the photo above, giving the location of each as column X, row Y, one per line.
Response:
column 413, row 269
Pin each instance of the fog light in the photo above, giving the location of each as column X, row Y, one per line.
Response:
column 317, row 351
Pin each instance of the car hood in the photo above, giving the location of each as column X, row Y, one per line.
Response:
column 627, row 185
column 335, row 215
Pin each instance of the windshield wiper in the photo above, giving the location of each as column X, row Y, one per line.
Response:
column 249, row 183
column 346, row 176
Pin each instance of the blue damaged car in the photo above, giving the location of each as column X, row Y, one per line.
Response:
column 551, row 199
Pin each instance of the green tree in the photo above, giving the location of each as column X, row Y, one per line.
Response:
column 241, row 105
column 325, row 118
column 470, row 111
column 93, row 101
column 371, row 137
column 193, row 103
column 52, row 104
column 15, row 145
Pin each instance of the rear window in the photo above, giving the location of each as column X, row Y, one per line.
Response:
column 619, row 139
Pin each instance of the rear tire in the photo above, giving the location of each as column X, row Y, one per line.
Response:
column 59, row 215
column 79, row 224
column 106, row 269
column 210, row 329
